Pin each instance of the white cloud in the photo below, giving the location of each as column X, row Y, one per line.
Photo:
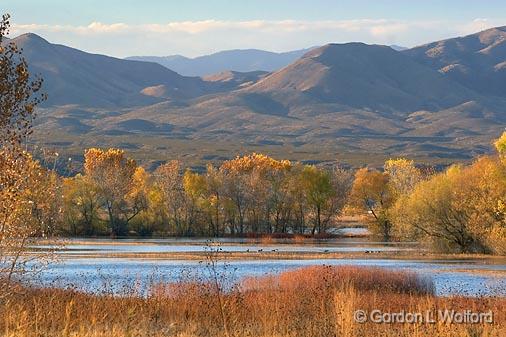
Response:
column 92, row 28
column 98, row 27
column 389, row 29
column 479, row 24
column 205, row 36
column 376, row 27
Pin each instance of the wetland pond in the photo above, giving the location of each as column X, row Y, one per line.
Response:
column 116, row 265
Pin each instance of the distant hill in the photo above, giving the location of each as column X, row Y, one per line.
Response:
column 366, row 76
column 75, row 77
column 353, row 97
column 398, row 48
column 239, row 60
column 235, row 79
column 477, row 61
column 444, row 100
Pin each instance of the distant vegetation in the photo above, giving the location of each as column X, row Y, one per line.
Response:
column 460, row 209
column 346, row 99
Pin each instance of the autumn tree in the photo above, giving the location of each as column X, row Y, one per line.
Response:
column 213, row 203
column 460, row 209
column 113, row 173
column 169, row 180
column 137, row 199
column 403, row 176
column 371, row 192
column 254, row 186
column 298, row 200
column 23, row 210
column 82, row 203
column 497, row 236
column 280, row 199
column 431, row 212
column 342, row 182
column 195, row 188
column 20, row 93
column 235, row 190
column 318, row 191
column 500, row 145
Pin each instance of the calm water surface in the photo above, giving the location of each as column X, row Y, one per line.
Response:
column 98, row 264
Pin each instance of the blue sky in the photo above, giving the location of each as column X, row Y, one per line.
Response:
column 192, row 27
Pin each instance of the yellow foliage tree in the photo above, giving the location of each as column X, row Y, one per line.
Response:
column 169, row 180
column 458, row 210
column 500, row 145
column 113, row 173
column 402, row 176
column 81, row 202
column 371, row 192
column 26, row 189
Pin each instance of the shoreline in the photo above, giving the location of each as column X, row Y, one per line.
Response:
column 293, row 256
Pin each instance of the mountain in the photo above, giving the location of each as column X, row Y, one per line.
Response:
column 235, row 79
column 366, row 76
column 477, row 61
column 349, row 100
column 239, row 60
column 398, row 48
column 75, row 77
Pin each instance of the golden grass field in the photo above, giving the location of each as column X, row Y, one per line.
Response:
column 309, row 302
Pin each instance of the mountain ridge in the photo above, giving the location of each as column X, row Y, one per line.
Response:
column 353, row 97
column 99, row 80
column 239, row 60
column 476, row 61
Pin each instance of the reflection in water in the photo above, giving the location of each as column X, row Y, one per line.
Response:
column 90, row 246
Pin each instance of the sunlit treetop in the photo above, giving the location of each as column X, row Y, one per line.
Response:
column 500, row 144
column 114, row 158
column 255, row 161
column 399, row 162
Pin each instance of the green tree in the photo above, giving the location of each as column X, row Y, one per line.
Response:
column 318, row 190
column 81, row 204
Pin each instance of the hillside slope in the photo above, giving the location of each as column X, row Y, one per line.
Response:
column 366, row 76
column 477, row 61
column 75, row 77
column 340, row 98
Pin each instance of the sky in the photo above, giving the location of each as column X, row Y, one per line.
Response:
column 197, row 27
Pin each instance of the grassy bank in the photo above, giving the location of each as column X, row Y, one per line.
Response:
column 313, row 301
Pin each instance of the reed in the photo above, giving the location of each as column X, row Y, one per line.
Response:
column 312, row 302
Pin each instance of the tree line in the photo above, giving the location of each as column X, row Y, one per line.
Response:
column 249, row 194
column 461, row 209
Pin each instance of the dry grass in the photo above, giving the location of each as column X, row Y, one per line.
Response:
column 312, row 302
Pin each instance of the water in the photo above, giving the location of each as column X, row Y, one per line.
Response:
column 115, row 265
column 158, row 246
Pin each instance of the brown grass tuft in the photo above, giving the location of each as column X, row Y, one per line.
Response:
column 312, row 302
